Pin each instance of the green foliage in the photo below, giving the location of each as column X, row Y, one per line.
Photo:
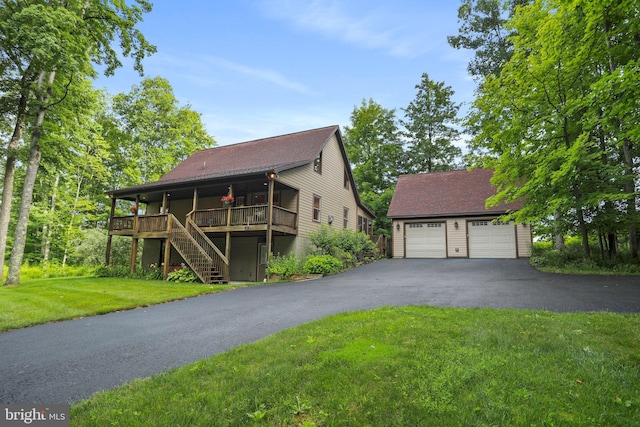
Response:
column 374, row 147
column 54, row 271
column 557, row 123
column 285, row 265
column 112, row 271
column 184, row 275
column 483, row 29
column 125, row 272
column 573, row 260
column 137, row 116
column 322, row 264
column 430, row 128
column 344, row 244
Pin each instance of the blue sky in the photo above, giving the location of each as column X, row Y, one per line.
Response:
column 260, row 68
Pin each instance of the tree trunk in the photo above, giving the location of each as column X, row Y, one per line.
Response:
column 35, row 154
column 559, row 234
column 629, row 188
column 585, row 233
column 48, row 231
column 9, row 175
column 73, row 218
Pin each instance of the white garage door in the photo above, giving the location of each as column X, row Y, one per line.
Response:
column 491, row 240
column 426, row 240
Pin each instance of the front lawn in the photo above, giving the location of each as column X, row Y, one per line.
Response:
column 410, row 366
column 45, row 300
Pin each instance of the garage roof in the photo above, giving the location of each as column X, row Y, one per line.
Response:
column 441, row 194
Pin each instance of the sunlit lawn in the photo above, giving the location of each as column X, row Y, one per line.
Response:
column 45, row 300
column 412, row 366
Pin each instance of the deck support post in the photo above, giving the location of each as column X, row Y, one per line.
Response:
column 167, row 252
column 195, row 199
column 164, row 208
column 134, row 242
column 272, row 177
column 107, row 258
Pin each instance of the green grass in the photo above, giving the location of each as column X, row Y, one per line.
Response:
column 45, row 300
column 410, row 366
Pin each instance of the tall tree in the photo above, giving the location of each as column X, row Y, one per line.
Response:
column 430, row 129
column 551, row 136
column 483, row 29
column 57, row 43
column 374, row 147
column 152, row 126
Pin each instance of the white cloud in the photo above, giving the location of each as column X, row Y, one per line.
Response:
column 229, row 128
column 263, row 74
column 398, row 32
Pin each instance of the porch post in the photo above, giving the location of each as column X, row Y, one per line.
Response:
column 167, row 252
column 272, row 177
column 227, row 242
column 195, row 199
column 164, row 203
column 134, row 241
column 107, row 259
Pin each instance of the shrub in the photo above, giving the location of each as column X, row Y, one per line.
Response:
column 284, row 265
column 118, row 271
column 343, row 244
column 185, row 275
column 322, row 264
column 572, row 259
column 111, row 271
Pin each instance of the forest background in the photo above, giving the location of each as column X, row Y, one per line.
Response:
column 556, row 114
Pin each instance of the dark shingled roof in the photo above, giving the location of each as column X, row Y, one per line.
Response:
column 441, row 194
column 277, row 153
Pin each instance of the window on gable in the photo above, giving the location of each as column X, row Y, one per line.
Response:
column 345, row 215
column 346, row 179
column 317, row 163
column 316, row 208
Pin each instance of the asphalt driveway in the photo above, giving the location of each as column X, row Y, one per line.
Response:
column 68, row 361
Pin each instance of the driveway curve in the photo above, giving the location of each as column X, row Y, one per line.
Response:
column 68, row 361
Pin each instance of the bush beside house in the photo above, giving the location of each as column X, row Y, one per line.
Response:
column 331, row 252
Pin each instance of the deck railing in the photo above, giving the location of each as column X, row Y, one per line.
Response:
column 284, row 217
column 245, row 215
column 152, row 223
column 121, row 223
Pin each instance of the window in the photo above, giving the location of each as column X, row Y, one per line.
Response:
column 317, row 163
column 345, row 214
column 365, row 224
column 346, row 179
column 316, row 208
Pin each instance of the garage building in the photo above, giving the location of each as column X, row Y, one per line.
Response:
column 444, row 215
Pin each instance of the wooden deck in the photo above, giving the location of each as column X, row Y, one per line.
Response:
column 237, row 219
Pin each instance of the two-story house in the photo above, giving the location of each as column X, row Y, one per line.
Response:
column 225, row 210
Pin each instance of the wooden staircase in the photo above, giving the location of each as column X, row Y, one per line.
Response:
column 198, row 251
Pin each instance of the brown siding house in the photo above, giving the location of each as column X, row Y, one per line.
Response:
column 444, row 215
column 225, row 210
